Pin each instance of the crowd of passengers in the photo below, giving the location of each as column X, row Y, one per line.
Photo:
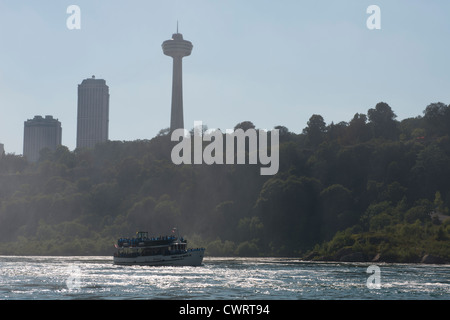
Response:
column 134, row 241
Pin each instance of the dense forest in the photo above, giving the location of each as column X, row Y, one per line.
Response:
column 371, row 189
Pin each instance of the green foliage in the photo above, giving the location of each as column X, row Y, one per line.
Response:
column 315, row 131
column 247, row 249
column 372, row 185
column 221, row 248
column 382, row 120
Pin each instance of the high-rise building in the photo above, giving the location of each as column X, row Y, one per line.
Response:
column 177, row 48
column 40, row 133
column 2, row 150
column 93, row 112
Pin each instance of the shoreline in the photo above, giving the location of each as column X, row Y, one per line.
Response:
column 430, row 260
column 378, row 258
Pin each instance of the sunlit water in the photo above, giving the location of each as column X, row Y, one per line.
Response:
column 48, row 278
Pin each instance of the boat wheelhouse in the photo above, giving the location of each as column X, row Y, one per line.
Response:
column 156, row 251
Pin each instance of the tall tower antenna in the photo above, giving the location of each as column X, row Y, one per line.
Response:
column 177, row 48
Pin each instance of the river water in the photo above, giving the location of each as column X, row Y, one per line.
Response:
column 67, row 278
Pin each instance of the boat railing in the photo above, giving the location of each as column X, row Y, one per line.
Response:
column 195, row 249
column 133, row 242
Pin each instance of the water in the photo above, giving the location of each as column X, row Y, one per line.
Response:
column 50, row 278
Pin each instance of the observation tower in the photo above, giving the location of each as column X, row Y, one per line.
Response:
column 177, row 48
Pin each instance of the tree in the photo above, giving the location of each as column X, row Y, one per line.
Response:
column 316, row 129
column 11, row 163
column 382, row 119
column 105, row 199
column 336, row 206
column 284, row 133
column 437, row 118
column 337, row 132
column 245, row 125
column 287, row 209
column 439, row 203
column 357, row 129
column 431, row 170
column 163, row 132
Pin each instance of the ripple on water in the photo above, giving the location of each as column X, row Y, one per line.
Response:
column 217, row 278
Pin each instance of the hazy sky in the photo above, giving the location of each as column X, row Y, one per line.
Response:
column 270, row 62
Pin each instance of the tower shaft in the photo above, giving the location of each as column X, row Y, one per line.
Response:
column 176, row 120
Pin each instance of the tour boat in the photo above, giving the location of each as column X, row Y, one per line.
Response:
column 156, row 251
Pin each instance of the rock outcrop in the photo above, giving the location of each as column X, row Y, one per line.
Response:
column 432, row 259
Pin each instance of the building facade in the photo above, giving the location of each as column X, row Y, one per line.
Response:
column 40, row 133
column 2, row 150
column 93, row 112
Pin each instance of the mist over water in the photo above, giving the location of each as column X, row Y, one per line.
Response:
column 48, row 278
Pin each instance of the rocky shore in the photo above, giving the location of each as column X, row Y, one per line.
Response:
column 348, row 255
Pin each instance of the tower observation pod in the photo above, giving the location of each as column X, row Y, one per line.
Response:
column 177, row 48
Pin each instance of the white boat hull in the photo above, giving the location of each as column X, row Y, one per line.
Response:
column 190, row 258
